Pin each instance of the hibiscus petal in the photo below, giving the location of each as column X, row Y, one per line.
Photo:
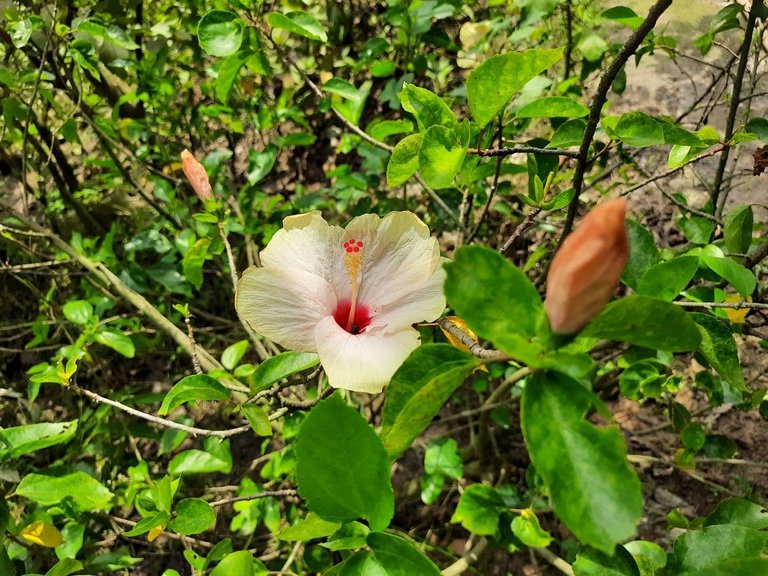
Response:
column 284, row 305
column 421, row 305
column 399, row 257
column 363, row 362
column 309, row 244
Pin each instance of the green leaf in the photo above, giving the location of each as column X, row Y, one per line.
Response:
column 592, row 47
column 646, row 321
column 215, row 458
column 635, row 129
column 348, row 100
column 738, row 229
column 740, row 512
column 569, row 133
column 495, row 299
column 647, row 554
column 741, row 278
column 116, row 340
column 281, row 366
column 527, row 529
column 443, row 457
column 220, row 33
column 78, row 311
column 261, row 163
column 86, row 493
column 667, row 279
column 389, row 556
column 693, row 436
column 596, row 563
column 623, row 15
column 418, row 390
column 553, row 107
column 719, row 348
column 299, row 22
column 732, row 567
column 342, row 469
column 239, row 563
column 191, row 388
column 146, row 524
column 404, row 160
column 441, row 153
column 643, row 254
column 593, row 489
column 348, row 537
column 758, row 126
column 697, row 228
column 383, row 129
column 428, row 108
column 309, row 528
column 64, row 567
column 232, row 354
column 479, row 509
column 194, row 260
column 19, row 440
column 698, row 550
column 193, row 515
column 257, row 418
column 227, row 74
column 492, row 84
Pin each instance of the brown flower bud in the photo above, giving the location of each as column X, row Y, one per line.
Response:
column 587, row 268
column 197, row 176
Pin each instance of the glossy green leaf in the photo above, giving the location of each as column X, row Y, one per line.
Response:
column 348, row 100
column 699, row 550
column 693, row 436
column 116, row 340
column 146, row 524
column 635, row 129
column 479, row 509
column 646, row 321
column 592, row 46
column 741, row 278
column 623, row 15
column 719, row 348
column 65, row 567
column 233, row 353
column 732, row 567
column 260, row 164
column 647, row 554
column 667, row 279
column 593, row 489
column 507, row 314
column 383, row 129
column 78, row 311
column 309, row 528
column 20, row 440
column 597, row 563
column 220, row 33
column 239, row 563
column 191, row 388
column 281, row 366
column 418, row 390
column 299, row 22
column 643, row 254
column 228, row 73
column 569, row 133
column 193, row 262
column 258, row 419
column 441, row 153
column 216, row 457
column 428, row 108
column 192, row 516
column 389, row 555
column 758, row 126
column 737, row 229
column 86, row 493
column 527, row 529
column 404, row 161
column 740, row 512
column 443, row 457
column 492, row 84
column 348, row 537
column 553, row 107
column 342, row 469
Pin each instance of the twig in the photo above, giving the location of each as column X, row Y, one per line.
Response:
column 271, row 494
column 754, row 10
column 554, row 560
column 601, row 95
column 441, row 203
column 732, row 305
column 507, row 151
column 462, row 564
column 519, row 230
column 491, row 193
column 474, row 347
column 131, row 524
column 757, row 255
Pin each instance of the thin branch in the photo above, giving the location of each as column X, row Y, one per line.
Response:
column 754, row 10
column 470, row 556
column 601, row 96
column 441, row 203
column 729, row 305
column 287, row 493
column 554, row 560
column 474, row 347
column 757, row 255
column 510, row 151
column 519, row 230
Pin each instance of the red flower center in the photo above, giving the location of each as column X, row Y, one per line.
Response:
column 360, row 321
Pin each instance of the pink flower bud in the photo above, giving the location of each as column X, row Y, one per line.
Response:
column 196, row 174
column 587, row 268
